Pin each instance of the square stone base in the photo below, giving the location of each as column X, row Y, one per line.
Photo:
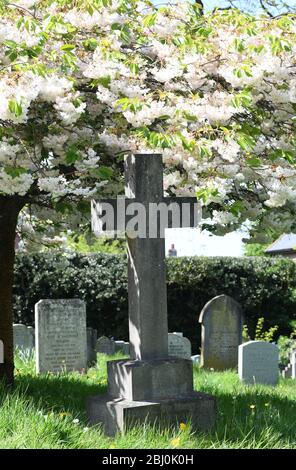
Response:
column 118, row 415
column 151, row 380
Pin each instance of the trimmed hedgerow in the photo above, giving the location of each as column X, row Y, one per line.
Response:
column 265, row 287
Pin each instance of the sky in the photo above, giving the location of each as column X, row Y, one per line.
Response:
column 191, row 242
column 254, row 5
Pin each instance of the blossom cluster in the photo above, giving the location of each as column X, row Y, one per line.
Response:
column 82, row 83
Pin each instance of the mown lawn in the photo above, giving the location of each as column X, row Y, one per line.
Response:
column 49, row 412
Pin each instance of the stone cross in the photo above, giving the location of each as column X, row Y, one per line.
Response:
column 148, row 324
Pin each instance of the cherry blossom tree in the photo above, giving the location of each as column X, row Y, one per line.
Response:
column 83, row 82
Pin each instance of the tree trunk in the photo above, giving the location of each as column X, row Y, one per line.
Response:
column 9, row 211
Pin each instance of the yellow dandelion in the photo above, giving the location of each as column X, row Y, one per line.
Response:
column 175, row 442
column 63, row 414
column 183, row 426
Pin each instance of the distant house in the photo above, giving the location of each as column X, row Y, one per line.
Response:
column 285, row 246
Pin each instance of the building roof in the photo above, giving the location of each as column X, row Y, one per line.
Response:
column 286, row 242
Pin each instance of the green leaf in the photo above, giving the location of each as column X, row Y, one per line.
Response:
column 243, row 98
column 72, row 155
column 239, row 45
column 104, row 81
column 134, row 68
column 149, row 20
column 68, row 47
column 14, row 172
column 105, row 172
column 63, row 207
column 12, row 55
column 254, row 161
column 10, row 43
column 131, row 104
column 15, row 108
column 243, row 70
column 205, row 194
column 237, row 207
column 287, row 155
column 246, row 142
column 90, row 44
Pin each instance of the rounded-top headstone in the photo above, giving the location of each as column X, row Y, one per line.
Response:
column 106, row 346
column 179, row 346
column 259, row 363
column 222, row 325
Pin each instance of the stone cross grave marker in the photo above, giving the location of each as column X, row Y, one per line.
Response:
column 61, row 343
column 258, row 363
column 151, row 385
column 221, row 334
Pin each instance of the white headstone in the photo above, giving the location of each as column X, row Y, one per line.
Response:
column 293, row 364
column 23, row 337
column 287, row 371
column 106, row 346
column 1, row 352
column 196, row 358
column 179, row 346
column 61, row 343
column 258, row 363
column 122, row 346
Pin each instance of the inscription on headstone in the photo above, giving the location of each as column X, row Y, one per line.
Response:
column 179, row 346
column 60, row 335
column 259, row 363
column 222, row 324
column 106, row 346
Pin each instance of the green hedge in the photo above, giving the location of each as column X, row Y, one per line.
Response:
column 264, row 287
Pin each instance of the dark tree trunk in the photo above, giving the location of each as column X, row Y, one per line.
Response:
column 9, row 211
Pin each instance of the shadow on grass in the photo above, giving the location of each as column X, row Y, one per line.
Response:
column 60, row 393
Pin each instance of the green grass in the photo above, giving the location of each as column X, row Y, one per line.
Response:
column 49, row 412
